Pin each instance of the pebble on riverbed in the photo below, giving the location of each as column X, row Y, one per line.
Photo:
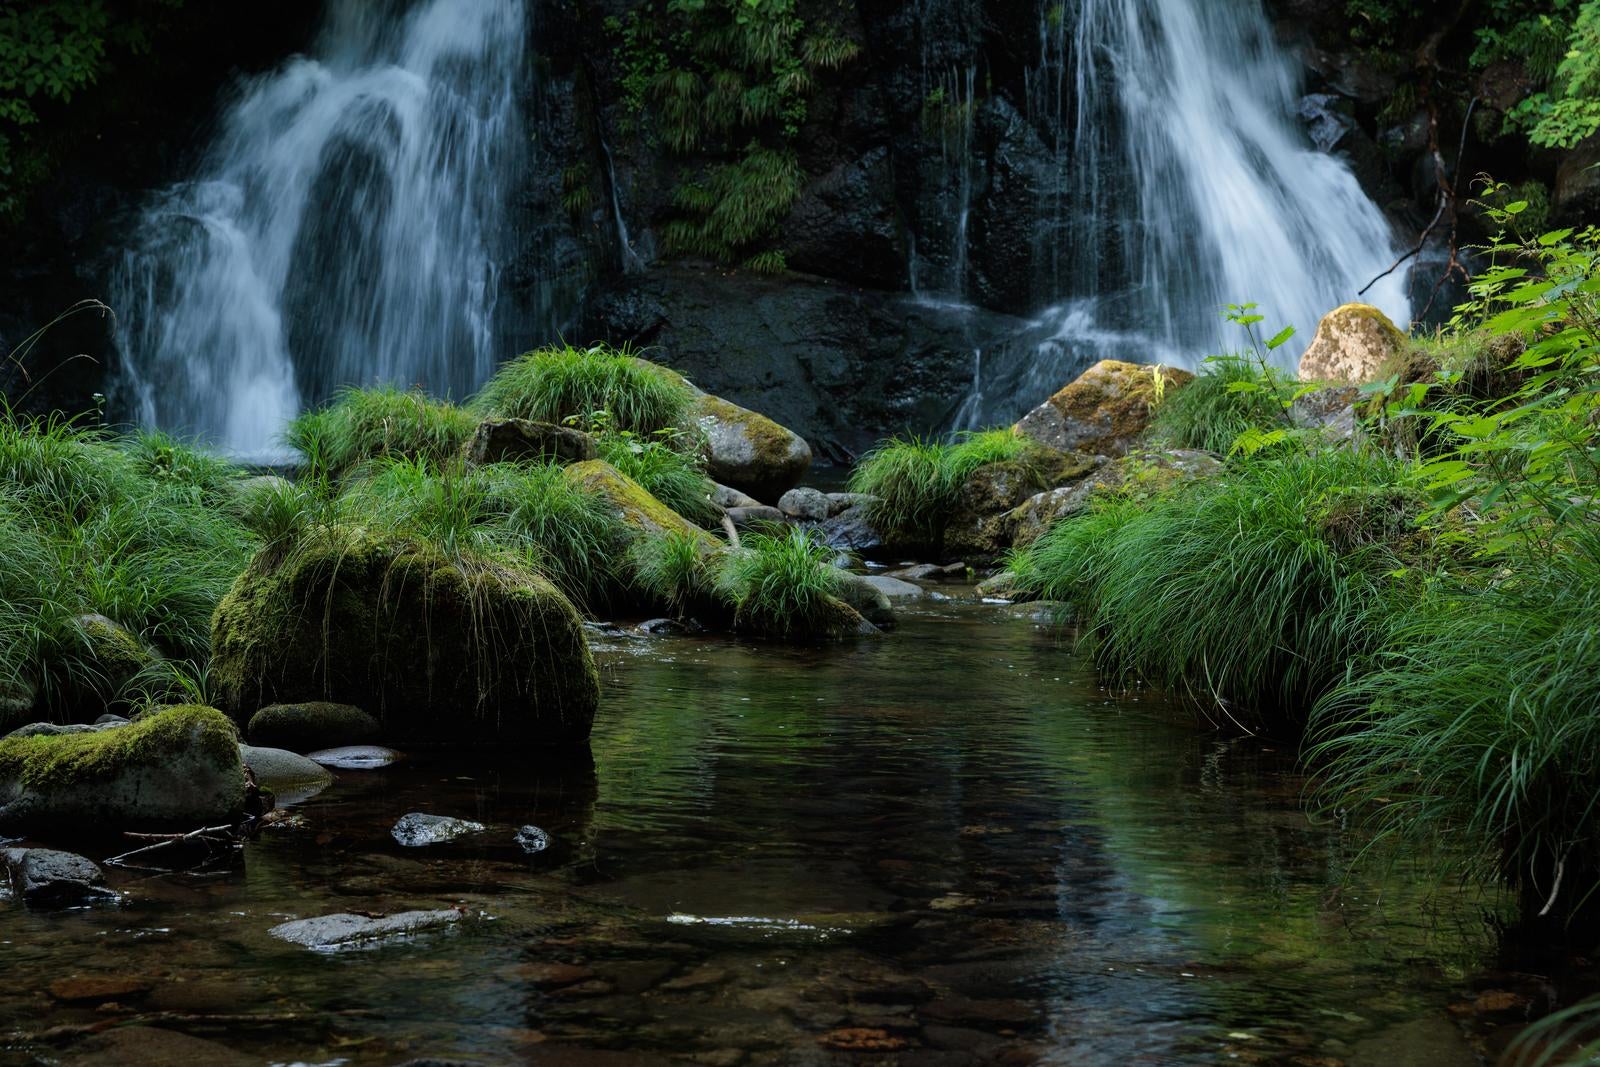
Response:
column 417, row 829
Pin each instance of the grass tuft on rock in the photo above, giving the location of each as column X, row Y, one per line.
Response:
column 674, row 477
column 1251, row 592
column 674, row 569
column 916, row 482
column 784, row 587
column 362, row 425
column 560, row 382
column 1229, row 397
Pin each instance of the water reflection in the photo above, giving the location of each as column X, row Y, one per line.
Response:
column 947, row 846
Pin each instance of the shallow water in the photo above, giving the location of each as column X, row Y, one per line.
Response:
column 950, row 845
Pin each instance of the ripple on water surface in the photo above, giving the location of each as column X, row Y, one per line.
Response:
column 950, row 845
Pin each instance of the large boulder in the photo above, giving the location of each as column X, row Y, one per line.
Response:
column 641, row 513
column 461, row 651
column 1354, row 343
column 748, row 451
column 1141, row 472
column 523, row 440
column 1104, row 411
column 177, row 767
column 978, row 527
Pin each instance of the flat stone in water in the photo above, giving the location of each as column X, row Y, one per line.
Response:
column 532, row 839
column 291, row 776
column 332, row 933
column 356, row 757
column 417, row 829
column 44, row 877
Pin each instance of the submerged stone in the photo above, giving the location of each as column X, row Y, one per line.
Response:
column 448, row 650
column 291, row 777
column 44, row 877
column 532, row 839
column 356, row 757
column 176, row 767
column 417, row 829
column 332, row 933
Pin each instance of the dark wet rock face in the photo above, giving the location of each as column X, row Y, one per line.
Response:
column 46, row 878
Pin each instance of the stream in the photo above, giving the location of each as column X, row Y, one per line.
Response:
column 952, row 845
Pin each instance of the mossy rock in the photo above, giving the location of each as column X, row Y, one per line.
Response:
column 834, row 621
column 641, row 513
column 178, row 767
column 1105, row 410
column 18, row 698
column 526, row 441
column 463, row 651
column 111, row 656
column 748, row 451
column 980, row 527
column 311, row 726
column 1352, row 346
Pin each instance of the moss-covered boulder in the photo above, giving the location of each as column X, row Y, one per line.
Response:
column 178, row 767
column 525, row 441
column 110, row 656
column 311, row 726
column 979, row 527
column 748, row 451
column 1353, row 344
column 641, row 514
column 461, row 651
column 1141, row 474
column 1105, row 410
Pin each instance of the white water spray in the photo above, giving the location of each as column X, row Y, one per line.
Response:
column 347, row 227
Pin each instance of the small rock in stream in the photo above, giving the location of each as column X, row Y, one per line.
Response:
column 417, row 829
column 331, row 933
column 46, row 878
column 531, row 839
column 356, row 757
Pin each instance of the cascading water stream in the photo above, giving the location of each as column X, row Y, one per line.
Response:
column 346, row 227
column 1181, row 183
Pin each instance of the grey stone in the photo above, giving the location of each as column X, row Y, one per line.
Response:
column 44, row 877
column 756, row 517
column 923, row 572
column 840, row 502
column 870, row 602
column 332, row 933
column 805, row 503
column 290, row 776
column 725, row 497
column 749, row 451
column 851, row 529
column 894, row 588
column 513, row 440
column 356, row 757
column 532, row 839
column 417, row 829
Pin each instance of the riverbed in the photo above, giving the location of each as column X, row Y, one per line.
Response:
column 951, row 845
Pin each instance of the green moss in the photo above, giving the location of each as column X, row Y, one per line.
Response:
column 49, row 762
column 639, row 512
column 472, row 648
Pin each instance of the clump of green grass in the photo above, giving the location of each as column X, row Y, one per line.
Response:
column 676, row 478
column 1478, row 725
column 1251, row 592
column 362, row 425
column 674, row 569
column 562, row 382
column 94, row 525
column 782, row 587
column 1229, row 397
column 569, row 534
column 917, row 482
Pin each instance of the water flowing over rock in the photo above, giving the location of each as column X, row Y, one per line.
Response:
column 347, row 226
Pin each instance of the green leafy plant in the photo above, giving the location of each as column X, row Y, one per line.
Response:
column 916, row 482
column 1212, row 414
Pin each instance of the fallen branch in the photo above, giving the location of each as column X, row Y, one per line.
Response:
column 212, row 837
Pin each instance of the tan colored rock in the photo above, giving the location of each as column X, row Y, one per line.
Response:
column 1354, row 342
column 1104, row 411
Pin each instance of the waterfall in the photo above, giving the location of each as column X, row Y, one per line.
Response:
column 347, row 226
column 1180, row 181
column 1191, row 186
